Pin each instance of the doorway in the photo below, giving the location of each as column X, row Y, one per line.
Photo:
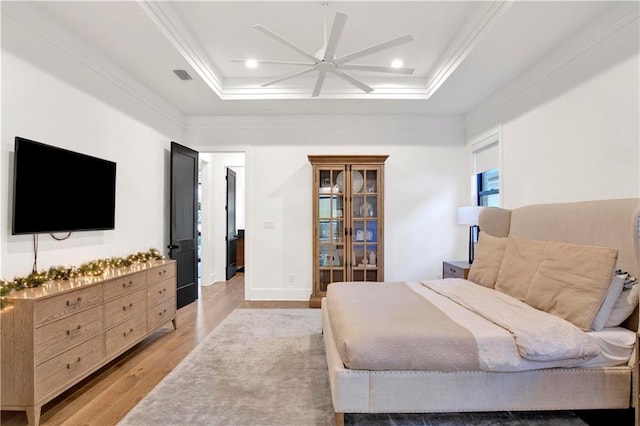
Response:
column 214, row 166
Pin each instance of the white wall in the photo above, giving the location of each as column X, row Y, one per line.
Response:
column 569, row 126
column 424, row 183
column 38, row 106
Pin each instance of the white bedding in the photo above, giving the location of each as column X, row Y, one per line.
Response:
column 498, row 350
column 616, row 347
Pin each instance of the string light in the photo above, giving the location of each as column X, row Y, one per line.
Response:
column 94, row 268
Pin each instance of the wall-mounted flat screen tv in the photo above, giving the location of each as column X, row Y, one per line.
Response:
column 58, row 190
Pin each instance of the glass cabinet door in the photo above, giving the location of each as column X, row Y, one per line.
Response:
column 365, row 232
column 331, row 227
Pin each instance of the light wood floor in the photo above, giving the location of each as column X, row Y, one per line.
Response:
column 107, row 395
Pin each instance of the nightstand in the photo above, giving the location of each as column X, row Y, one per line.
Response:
column 455, row 269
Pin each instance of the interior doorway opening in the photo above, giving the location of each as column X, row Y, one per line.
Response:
column 212, row 219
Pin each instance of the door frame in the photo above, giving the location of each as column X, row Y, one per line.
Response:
column 213, row 215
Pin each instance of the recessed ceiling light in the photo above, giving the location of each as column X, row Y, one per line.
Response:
column 397, row 63
column 251, row 63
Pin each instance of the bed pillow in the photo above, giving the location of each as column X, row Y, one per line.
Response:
column 615, row 290
column 572, row 281
column 488, row 257
column 626, row 302
column 520, row 263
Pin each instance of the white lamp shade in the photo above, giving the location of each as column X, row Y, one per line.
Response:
column 469, row 215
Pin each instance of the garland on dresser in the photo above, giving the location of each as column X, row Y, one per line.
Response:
column 94, row 268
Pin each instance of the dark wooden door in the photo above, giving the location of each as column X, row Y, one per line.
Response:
column 232, row 236
column 183, row 234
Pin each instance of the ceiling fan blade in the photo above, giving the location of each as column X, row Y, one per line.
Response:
column 375, row 48
column 286, row 77
column 286, row 42
column 319, row 83
column 262, row 61
column 334, row 37
column 377, row 68
column 352, row 80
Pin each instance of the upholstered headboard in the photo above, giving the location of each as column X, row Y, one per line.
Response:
column 606, row 223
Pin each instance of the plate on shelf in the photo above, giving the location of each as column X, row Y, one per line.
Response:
column 357, row 181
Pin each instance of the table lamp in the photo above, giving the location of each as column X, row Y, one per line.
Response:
column 468, row 215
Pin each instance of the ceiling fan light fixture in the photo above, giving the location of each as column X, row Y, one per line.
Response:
column 324, row 61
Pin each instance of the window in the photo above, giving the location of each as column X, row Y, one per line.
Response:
column 488, row 184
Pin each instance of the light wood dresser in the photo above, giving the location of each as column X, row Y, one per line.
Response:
column 56, row 334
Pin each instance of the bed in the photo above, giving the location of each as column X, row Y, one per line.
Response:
column 547, row 320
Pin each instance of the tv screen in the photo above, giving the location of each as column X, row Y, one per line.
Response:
column 57, row 190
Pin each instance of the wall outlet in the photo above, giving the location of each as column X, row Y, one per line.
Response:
column 292, row 278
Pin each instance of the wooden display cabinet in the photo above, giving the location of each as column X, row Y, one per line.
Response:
column 348, row 220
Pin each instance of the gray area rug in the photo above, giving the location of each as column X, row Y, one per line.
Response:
column 267, row 367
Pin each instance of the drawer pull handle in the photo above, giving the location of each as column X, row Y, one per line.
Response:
column 162, row 291
column 125, row 334
column 74, row 302
column 73, row 331
column 73, row 364
column 164, row 271
column 164, row 311
column 127, row 285
column 125, row 307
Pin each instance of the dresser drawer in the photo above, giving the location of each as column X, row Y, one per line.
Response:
column 124, row 285
column 53, row 308
column 161, row 313
column 57, row 334
column 161, row 273
column 160, row 292
column 56, row 337
column 122, row 308
column 125, row 334
column 455, row 269
column 68, row 366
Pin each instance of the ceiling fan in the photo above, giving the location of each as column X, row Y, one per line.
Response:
column 324, row 61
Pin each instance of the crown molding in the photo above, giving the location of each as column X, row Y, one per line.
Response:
column 29, row 16
column 623, row 22
column 171, row 25
column 466, row 40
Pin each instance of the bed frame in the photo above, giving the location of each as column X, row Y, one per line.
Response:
column 608, row 223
